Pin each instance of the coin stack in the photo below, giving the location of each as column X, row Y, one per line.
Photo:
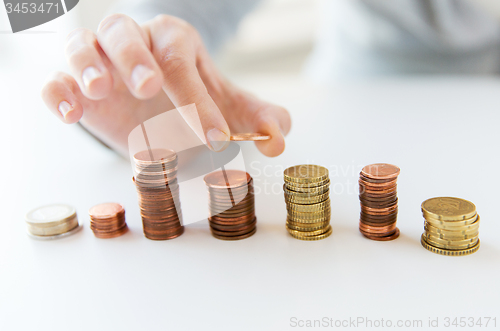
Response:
column 231, row 204
column 107, row 220
column 379, row 201
column 52, row 221
column 451, row 226
column 155, row 177
column 307, row 201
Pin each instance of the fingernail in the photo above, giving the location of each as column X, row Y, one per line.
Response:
column 218, row 140
column 89, row 75
column 65, row 108
column 140, row 75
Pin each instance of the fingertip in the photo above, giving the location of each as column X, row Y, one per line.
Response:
column 70, row 112
column 58, row 95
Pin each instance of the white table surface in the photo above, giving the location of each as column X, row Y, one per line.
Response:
column 443, row 133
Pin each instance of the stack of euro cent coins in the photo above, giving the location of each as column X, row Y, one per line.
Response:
column 155, row 177
column 379, row 201
column 307, row 198
column 231, row 204
column 52, row 221
column 451, row 226
column 107, row 220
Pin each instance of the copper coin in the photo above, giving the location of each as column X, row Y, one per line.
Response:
column 234, row 214
column 377, row 195
column 374, row 213
column 376, row 229
column 227, row 194
column 379, row 205
column 233, row 220
column 377, row 235
column 374, row 181
column 244, row 236
column 113, row 234
column 377, row 223
column 161, row 230
column 232, row 227
column 107, row 220
column 165, row 237
column 378, row 200
column 231, row 210
column 106, row 210
column 155, row 155
column 242, row 190
column 391, row 237
column 365, row 190
column 249, row 137
column 380, row 171
column 378, row 217
column 227, row 179
column 241, row 231
column 232, row 203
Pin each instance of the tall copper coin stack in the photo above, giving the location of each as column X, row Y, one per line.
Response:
column 107, row 220
column 231, row 204
column 155, row 177
column 451, row 226
column 307, row 201
column 379, row 201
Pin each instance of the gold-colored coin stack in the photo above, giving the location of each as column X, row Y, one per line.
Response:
column 155, row 177
column 307, row 202
column 451, row 226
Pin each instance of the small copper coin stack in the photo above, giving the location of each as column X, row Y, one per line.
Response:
column 379, row 201
column 107, row 220
column 155, row 177
column 231, row 204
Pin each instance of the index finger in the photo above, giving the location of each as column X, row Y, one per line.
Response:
column 175, row 45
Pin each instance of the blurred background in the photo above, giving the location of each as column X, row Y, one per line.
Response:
column 275, row 38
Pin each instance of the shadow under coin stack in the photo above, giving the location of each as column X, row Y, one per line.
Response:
column 52, row 222
column 155, row 177
column 107, row 220
column 231, row 204
column 379, row 201
column 307, row 201
column 451, row 226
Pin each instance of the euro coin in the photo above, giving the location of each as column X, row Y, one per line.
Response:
column 448, row 208
column 449, row 252
column 52, row 221
column 305, row 173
